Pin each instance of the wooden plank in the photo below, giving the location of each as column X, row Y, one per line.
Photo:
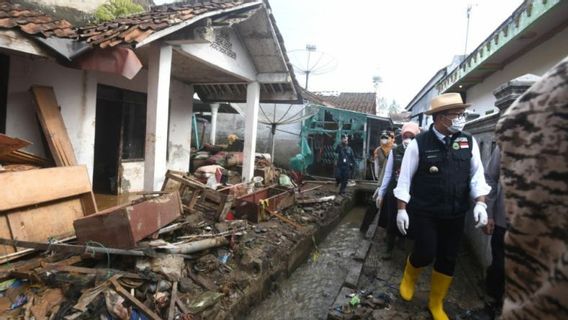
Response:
column 97, row 271
column 89, row 204
column 53, row 126
column 44, row 222
column 42, row 185
column 284, row 219
column 182, row 306
column 22, row 157
column 9, row 144
column 70, row 248
column 19, row 254
column 5, row 233
column 121, row 291
column 173, row 298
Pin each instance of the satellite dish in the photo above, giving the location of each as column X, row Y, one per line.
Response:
column 286, row 118
column 310, row 61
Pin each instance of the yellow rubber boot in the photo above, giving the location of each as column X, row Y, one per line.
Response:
column 408, row 282
column 440, row 285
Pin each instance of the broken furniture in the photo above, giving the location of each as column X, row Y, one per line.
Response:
column 42, row 204
column 196, row 196
column 124, row 226
column 10, row 153
column 253, row 206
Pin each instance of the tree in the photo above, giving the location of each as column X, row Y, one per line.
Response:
column 117, row 8
column 394, row 107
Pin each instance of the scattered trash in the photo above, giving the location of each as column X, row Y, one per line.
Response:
column 204, row 301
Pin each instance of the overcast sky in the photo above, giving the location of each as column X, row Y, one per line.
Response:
column 404, row 42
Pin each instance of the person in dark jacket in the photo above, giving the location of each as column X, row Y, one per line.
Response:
column 496, row 227
column 345, row 163
column 384, row 195
column 440, row 171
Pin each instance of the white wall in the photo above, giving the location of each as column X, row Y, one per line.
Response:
column 75, row 91
column 537, row 61
column 286, row 144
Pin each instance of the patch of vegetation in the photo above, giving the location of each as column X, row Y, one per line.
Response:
column 117, row 8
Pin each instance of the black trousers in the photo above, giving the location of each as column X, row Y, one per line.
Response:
column 341, row 177
column 495, row 280
column 436, row 240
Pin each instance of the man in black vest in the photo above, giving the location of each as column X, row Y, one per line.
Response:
column 440, row 171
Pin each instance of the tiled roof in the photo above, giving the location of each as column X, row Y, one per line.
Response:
column 33, row 22
column 363, row 102
column 135, row 28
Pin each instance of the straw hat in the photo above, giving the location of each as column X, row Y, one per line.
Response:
column 446, row 101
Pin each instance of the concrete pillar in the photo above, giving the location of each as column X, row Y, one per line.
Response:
column 157, row 113
column 214, row 110
column 251, row 122
column 181, row 110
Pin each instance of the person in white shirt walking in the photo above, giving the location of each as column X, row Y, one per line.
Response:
column 440, row 170
column 384, row 197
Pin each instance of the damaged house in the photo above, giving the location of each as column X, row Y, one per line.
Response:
column 125, row 88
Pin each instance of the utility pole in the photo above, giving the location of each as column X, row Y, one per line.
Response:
column 309, row 48
column 468, row 12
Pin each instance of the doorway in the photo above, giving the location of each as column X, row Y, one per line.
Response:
column 120, row 132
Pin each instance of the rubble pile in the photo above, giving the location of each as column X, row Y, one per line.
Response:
column 188, row 251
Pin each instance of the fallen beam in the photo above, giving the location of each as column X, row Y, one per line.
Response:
column 284, row 219
column 70, row 248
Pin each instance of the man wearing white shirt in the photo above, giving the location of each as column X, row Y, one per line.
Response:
column 384, row 197
column 440, row 171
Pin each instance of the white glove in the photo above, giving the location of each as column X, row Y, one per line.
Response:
column 378, row 202
column 480, row 214
column 402, row 221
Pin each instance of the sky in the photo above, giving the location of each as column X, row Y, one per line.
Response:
column 404, row 42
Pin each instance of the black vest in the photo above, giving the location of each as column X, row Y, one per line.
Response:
column 440, row 187
column 398, row 154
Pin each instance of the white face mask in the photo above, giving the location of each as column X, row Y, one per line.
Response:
column 406, row 142
column 384, row 141
column 457, row 125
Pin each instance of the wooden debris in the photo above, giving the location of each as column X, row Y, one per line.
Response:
column 173, row 298
column 203, row 282
column 97, row 271
column 70, row 248
column 124, row 226
column 53, row 126
column 122, row 292
column 181, row 306
column 285, row 219
column 22, row 157
column 9, row 144
column 27, row 208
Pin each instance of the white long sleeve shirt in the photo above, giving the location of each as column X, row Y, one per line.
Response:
column 386, row 176
column 409, row 165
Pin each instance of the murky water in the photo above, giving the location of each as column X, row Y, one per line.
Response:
column 311, row 289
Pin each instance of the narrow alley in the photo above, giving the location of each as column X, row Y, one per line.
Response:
column 283, row 159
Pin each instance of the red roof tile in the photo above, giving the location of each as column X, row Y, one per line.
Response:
column 135, row 28
column 33, row 22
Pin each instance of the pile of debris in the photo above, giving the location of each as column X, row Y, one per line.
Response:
column 172, row 254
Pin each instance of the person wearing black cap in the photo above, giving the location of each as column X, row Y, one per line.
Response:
column 345, row 162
